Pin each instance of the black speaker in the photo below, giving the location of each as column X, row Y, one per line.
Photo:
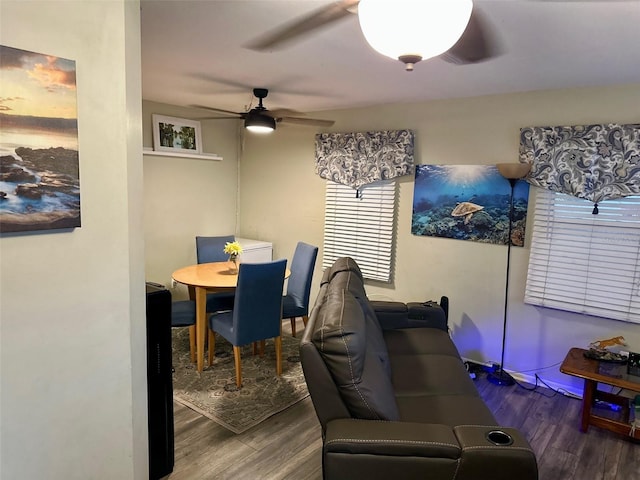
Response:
column 633, row 365
column 159, row 382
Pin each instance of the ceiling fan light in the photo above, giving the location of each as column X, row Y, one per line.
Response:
column 259, row 122
column 413, row 28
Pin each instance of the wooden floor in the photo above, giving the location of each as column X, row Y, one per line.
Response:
column 288, row 445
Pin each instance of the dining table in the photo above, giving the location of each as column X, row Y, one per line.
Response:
column 203, row 278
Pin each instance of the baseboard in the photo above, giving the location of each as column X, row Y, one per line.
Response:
column 525, row 378
column 559, row 387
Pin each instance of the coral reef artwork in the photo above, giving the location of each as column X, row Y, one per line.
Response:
column 39, row 162
column 468, row 202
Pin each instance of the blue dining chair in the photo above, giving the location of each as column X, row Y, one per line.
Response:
column 296, row 301
column 256, row 313
column 211, row 249
column 183, row 314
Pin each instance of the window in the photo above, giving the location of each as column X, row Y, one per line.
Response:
column 361, row 227
column 582, row 262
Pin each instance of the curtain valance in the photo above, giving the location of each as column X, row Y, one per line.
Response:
column 357, row 159
column 594, row 162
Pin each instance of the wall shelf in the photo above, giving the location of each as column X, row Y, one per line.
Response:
column 199, row 156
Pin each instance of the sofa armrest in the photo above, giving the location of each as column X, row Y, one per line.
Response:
column 487, row 448
column 366, row 449
column 372, row 449
column 391, row 438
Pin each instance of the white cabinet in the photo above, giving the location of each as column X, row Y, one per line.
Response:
column 255, row 251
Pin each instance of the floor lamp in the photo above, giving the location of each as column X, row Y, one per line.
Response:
column 512, row 172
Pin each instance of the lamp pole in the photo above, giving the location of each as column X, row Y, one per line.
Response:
column 512, row 172
column 500, row 377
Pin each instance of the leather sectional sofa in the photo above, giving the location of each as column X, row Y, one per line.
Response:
column 398, row 403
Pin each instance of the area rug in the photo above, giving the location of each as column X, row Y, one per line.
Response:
column 213, row 392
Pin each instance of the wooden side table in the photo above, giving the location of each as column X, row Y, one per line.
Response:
column 594, row 372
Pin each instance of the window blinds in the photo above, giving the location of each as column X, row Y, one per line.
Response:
column 361, row 227
column 582, row 262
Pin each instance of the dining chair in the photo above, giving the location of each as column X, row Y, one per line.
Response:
column 211, row 249
column 183, row 314
column 256, row 313
column 295, row 302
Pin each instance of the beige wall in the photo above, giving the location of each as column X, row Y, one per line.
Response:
column 72, row 335
column 283, row 200
column 185, row 197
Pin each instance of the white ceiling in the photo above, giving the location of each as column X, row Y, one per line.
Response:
column 193, row 54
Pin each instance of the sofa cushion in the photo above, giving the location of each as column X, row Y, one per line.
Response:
column 390, row 315
column 430, row 374
column 341, row 338
column 419, row 340
column 452, row 410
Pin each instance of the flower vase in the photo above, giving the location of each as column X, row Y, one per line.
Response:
column 233, row 264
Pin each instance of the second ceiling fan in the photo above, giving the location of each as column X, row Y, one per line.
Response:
column 261, row 120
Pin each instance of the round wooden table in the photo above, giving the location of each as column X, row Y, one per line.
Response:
column 203, row 278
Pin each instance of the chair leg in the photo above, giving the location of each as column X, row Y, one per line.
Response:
column 278, row 342
column 262, row 342
column 305, row 319
column 212, row 346
column 192, row 343
column 255, row 348
column 293, row 326
column 236, row 358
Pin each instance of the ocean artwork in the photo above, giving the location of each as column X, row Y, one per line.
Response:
column 39, row 163
column 468, row 202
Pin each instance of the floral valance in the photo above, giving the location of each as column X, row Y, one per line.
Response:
column 594, row 162
column 357, row 159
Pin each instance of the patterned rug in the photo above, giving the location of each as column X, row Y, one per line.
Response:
column 213, row 392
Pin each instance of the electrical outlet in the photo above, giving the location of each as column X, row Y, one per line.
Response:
column 174, row 284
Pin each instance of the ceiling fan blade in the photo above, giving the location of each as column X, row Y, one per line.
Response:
column 305, row 25
column 476, row 44
column 213, row 109
column 316, row 122
column 218, row 118
column 284, row 112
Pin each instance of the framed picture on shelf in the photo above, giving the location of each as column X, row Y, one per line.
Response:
column 171, row 134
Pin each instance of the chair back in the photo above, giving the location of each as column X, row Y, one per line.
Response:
column 299, row 283
column 257, row 308
column 211, row 249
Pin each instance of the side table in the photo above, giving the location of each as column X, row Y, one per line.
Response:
column 594, row 372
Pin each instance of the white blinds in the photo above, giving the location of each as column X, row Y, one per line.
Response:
column 582, row 262
column 361, row 228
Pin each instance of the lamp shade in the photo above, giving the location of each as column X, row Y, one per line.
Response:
column 259, row 122
column 513, row 171
column 413, row 30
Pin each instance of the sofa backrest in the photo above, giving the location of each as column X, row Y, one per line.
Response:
column 353, row 283
column 343, row 264
column 343, row 353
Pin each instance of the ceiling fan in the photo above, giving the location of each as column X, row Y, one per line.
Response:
column 460, row 36
column 261, row 120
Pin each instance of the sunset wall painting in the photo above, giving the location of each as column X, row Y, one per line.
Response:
column 39, row 165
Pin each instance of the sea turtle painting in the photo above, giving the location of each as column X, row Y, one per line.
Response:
column 468, row 202
column 466, row 210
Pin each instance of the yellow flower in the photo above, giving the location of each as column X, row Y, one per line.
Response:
column 233, row 248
